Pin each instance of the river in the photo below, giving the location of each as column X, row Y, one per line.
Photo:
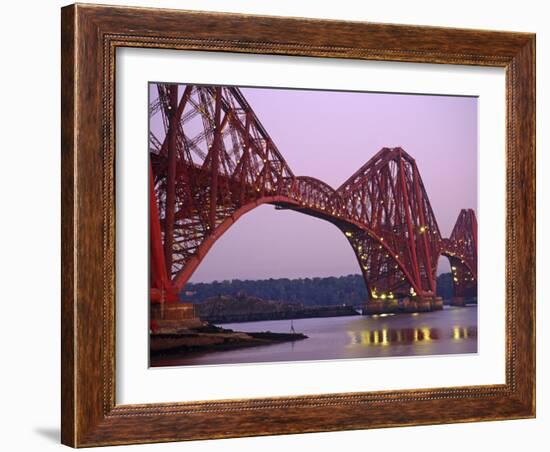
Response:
column 450, row 331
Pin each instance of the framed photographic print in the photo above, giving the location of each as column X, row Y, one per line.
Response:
column 279, row 225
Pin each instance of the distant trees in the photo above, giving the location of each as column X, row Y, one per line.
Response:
column 348, row 289
column 226, row 309
column 328, row 291
column 445, row 286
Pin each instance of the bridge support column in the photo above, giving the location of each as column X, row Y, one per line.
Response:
column 423, row 304
column 458, row 301
column 437, row 304
column 374, row 307
column 381, row 307
column 409, row 305
column 173, row 316
column 417, row 304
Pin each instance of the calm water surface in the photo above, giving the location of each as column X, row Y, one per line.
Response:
column 451, row 331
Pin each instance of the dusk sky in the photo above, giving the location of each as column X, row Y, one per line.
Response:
column 329, row 135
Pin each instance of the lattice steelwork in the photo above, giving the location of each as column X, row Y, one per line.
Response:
column 461, row 249
column 398, row 250
column 212, row 161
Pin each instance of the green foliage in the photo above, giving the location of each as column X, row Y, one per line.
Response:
column 224, row 309
column 445, row 286
column 329, row 291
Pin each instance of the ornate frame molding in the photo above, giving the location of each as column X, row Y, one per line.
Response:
column 90, row 36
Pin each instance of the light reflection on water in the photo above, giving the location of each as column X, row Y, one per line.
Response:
column 392, row 336
column 451, row 331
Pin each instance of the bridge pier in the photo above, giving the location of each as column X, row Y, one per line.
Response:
column 173, row 315
column 423, row 304
column 437, row 304
column 418, row 304
column 381, row 307
column 407, row 304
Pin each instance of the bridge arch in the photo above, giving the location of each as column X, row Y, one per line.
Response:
column 461, row 250
column 216, row 162
column 464, row 281
column 359, row 237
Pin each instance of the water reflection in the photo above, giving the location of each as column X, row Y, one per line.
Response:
column 446, row 332
column 388, row 336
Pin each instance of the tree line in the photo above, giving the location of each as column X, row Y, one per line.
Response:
column 329, row 291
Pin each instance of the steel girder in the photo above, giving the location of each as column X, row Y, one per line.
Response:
column 461, row 249
column 212, row 161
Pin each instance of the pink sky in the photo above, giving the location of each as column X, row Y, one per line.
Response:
column 329, row 135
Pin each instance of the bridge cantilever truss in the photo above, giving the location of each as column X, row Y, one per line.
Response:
column 213, row 161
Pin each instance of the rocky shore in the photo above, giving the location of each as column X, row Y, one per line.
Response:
column 205, row 337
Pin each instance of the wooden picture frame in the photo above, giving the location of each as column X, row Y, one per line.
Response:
column 90, row 36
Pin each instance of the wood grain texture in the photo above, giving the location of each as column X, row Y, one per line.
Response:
column 67, row 227
column 90, row 36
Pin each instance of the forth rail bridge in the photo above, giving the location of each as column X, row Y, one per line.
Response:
column 215, row 162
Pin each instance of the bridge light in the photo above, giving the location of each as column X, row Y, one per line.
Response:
column 426, row 334
column 423, row 229
column 348, row 234
column 383, row 296
column 456, row 333
column 390, row 295
column 455, row 279
column 453, row 268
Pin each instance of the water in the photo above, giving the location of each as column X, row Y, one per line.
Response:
column 451, row 331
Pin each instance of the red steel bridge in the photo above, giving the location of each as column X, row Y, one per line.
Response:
column 212, row 161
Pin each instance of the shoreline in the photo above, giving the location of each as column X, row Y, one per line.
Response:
column 304, row 313
column 210, row 338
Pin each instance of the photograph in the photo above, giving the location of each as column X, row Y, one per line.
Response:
column 302, row 225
